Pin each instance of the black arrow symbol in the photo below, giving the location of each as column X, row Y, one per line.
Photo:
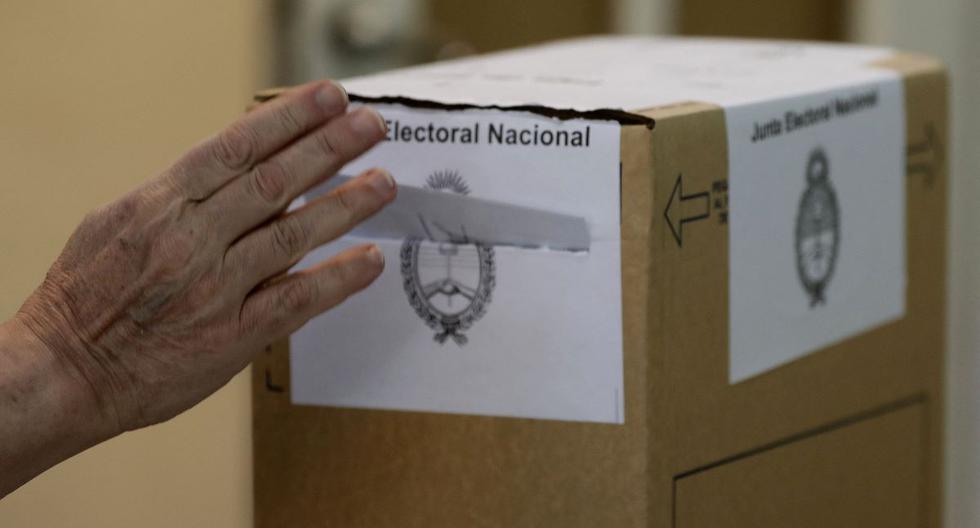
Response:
column 925, row 156
column 683, row 208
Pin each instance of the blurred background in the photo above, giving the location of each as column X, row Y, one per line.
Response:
column 98, row 95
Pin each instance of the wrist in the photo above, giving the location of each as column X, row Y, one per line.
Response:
column 48, row 410
column 72, row 387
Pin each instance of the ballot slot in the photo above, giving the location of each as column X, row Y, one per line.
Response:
column 449, row 218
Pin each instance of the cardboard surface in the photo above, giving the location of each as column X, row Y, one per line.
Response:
column 337, row 467
column 865, row 472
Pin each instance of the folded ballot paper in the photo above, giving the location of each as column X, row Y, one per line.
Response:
column 503, row 290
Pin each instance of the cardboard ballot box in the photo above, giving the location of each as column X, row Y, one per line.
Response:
column 751, row 334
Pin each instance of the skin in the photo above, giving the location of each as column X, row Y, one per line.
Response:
column 159, row 298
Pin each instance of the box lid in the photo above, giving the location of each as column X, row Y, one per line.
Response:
column 629, row 74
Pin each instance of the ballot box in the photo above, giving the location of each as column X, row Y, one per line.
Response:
column 635, row 282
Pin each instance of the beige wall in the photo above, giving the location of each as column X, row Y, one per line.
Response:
column 95, row 96
column 948, row 30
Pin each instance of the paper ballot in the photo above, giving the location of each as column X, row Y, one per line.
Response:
column 436, row 216
column 501, row 292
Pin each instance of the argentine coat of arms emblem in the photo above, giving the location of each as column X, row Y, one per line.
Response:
column 449, row 284
column 817, row 229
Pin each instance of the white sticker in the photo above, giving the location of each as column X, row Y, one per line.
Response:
column 817, row 221
column 477, row 330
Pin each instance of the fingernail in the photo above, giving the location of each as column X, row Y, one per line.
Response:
column 367, row 122
column 375, row 255
column 327, row 96
column 380, row 180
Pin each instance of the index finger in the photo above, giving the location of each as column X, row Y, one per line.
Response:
column 262, row 132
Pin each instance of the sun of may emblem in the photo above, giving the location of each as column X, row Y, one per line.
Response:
column 817, row 229
column 448, row 284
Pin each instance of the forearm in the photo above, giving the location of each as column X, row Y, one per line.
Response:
column 45, row 414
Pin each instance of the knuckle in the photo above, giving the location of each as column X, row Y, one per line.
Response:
column 345, row 206
column 288, row 120
column 297, row 294
column 185, row 179
column 177, row 249
column 174, row 250
column 234, row 149
column 122, row 211
column 178, row 181
column 207, row 288
column 289, row 236
column 268, row 181
column 185, row 176
column 326, row 144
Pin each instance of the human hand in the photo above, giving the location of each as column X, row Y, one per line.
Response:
column 160, row 297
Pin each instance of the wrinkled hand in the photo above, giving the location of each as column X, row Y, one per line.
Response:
column 159, row 298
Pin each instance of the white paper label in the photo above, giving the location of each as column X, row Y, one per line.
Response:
column 817, row 221
column 467, row 329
